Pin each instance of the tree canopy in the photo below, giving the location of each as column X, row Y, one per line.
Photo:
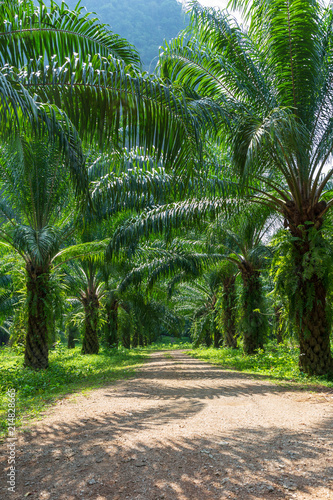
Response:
column 180, row 179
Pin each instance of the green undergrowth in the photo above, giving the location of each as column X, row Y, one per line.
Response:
column 169, row 344
column 69, row 372
column 277, row 362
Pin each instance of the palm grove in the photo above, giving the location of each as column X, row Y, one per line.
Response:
column 195, row 198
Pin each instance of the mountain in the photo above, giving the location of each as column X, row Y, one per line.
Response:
column 144, row 23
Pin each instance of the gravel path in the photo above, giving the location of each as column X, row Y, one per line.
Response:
column 180, row 430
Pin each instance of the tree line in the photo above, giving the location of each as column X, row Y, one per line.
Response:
column 197, row 197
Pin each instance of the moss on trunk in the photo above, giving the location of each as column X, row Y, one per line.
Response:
column 142, row 340
column 278, row 324
column 311, row 275
column 90, row 343
column 217, row 338
column 111, row 326
column 229, row 311
column 36, row 344
column 127, row 338
column 254, row 323
column 313, row 328
column 72, row 332
column 135, row 338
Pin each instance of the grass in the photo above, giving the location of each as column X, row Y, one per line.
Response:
column 170, row 343
column 69, row 372
column 279, row 363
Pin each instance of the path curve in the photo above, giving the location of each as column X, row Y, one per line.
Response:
column 181, row 429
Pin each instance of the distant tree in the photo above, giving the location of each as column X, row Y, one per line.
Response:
column 241, row 240
column 227, row 310
column 85, row 282
column 35, row 187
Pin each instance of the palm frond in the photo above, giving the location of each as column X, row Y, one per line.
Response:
column 57, row 30
column 168, row 261
column 166, row 218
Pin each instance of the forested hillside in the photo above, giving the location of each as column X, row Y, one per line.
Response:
column 145, row 23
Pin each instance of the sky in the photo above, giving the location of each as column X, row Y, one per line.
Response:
column 214, row 3
column 221, row 4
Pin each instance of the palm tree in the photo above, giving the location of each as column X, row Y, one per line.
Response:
column 237, row 239
column 112, row 305
column 148, row 316
column 74, row 63
column 177, row 262
column 94, row 302
column 227, row 312
column 59, row 65
column 92, row 285
column 241, row 241
column 35, row 188
column 21, row 113
column 195, row 300
column 272, row 83
column 84, row 280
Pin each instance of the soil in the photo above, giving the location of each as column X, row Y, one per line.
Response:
column 180, row 430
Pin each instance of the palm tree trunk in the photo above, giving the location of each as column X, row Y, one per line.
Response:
column 314, row 339
column 141, row 338
column 313, row 326
column 72, row 330
column 90, row 343
column 278, row 324
column 208, row 336
column 312, row 323
column 253, row 323
column 135, row 338
column 127, row 339
column 229, row 311
column 112, row 324
column 36, row 345
column 52, row 330
column 217, row 338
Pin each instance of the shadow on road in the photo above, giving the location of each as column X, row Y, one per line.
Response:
column 111, row 456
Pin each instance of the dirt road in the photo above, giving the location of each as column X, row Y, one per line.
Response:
column 180, row 430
